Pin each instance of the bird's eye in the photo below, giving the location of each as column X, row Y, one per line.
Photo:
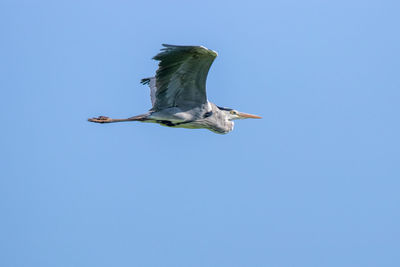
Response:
column 234, row 112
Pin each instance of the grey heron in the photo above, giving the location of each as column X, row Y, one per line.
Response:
column 178, row 93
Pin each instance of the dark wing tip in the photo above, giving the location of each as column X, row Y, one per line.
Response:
column 179, row 46
column 169, row 49
column 145, row 81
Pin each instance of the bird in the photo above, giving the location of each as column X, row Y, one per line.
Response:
column 178, row 93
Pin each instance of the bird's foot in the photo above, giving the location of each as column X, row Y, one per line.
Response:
column 101, row 119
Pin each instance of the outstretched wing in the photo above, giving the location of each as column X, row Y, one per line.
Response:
column 181, row 76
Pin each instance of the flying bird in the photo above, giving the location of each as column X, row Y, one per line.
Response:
column 178, row 93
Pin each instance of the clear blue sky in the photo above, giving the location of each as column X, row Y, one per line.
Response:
column 314, row 183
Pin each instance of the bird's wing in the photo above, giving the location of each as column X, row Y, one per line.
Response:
column 181, row 76
column 152, row 84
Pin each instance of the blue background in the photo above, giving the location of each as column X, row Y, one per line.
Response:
column 314, row 183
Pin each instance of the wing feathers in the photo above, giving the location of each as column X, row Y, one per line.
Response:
column 181, row 76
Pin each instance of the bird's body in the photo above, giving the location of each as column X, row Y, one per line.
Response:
column 178, row 93
column 208, row 116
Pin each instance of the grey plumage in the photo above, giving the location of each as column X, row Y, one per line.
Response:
column 178, row 92
column 181, row 76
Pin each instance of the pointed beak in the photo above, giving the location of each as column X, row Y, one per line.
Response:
column 246, row 115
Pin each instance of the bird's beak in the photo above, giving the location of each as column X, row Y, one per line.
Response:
column 246, row 115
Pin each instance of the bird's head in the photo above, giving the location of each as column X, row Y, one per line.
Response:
column 232, row 114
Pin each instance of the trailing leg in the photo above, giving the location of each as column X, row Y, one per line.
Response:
column 104, row 119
